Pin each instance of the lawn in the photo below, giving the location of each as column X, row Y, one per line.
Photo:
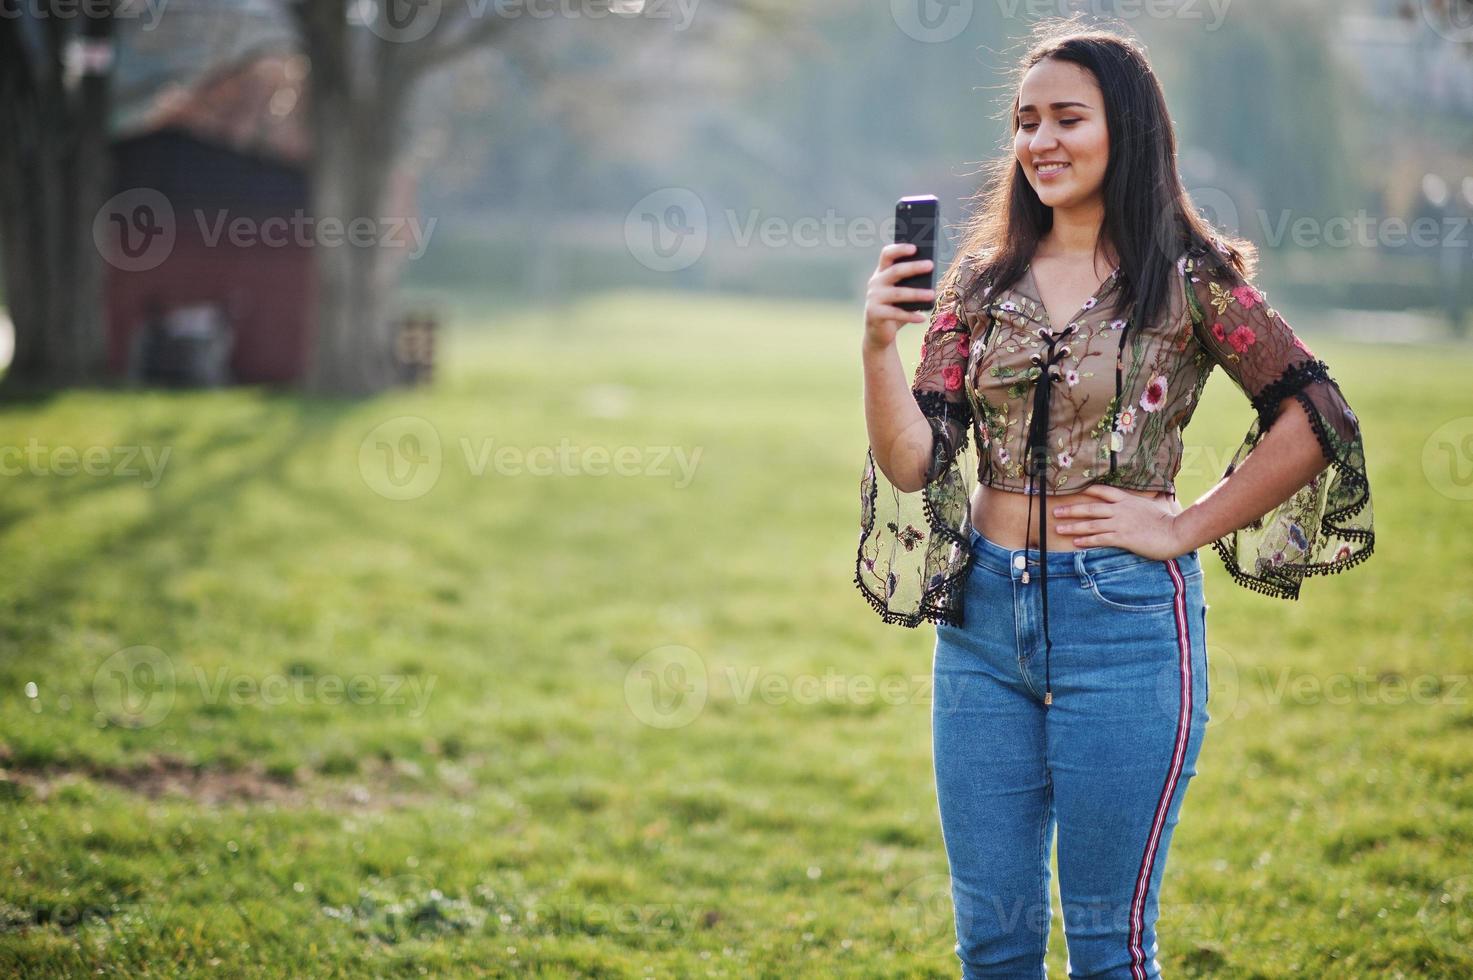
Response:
column 557, row 669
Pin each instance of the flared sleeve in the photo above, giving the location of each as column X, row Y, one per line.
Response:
column 1326, row 525
column 914, row 550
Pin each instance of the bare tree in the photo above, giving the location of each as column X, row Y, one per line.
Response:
column 366, row 61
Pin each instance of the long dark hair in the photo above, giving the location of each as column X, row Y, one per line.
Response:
column 1149, row 216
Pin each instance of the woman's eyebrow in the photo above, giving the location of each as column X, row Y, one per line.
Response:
column 1055, row 105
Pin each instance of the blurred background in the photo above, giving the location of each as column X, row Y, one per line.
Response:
column 430, row 432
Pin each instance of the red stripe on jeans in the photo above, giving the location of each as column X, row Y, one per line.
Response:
column 1183, row 731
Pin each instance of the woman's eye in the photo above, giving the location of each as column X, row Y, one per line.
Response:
column 1069, row 122
column 1026, row 126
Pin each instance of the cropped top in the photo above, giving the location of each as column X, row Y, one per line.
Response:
column 1112, row 411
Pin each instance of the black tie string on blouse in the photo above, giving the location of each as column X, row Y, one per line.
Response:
column 1037, row 468
column 1036, row 458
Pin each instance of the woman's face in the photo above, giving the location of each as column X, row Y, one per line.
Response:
column 1061, row 119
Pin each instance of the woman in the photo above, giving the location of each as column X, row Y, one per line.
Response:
column 1072, row 338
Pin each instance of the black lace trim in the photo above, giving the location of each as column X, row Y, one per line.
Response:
column 934, row 404
column 1296, row 378
column 1282, row 586
column 952, row 588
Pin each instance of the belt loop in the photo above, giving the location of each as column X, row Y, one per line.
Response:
column 1081, row 568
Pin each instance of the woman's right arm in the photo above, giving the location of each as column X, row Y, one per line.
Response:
column 900, row 437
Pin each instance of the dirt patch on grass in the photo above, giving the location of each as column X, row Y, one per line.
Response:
column 377, row 786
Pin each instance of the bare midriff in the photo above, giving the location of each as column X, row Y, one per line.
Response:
column 1002, row 515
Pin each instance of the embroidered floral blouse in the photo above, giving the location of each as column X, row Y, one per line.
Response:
column 1118, row 399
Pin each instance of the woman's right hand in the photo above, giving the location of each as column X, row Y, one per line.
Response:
column 882, row 319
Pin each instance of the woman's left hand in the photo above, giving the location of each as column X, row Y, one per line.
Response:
column 1143, row 525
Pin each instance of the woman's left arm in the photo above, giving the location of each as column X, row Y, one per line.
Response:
column 1288, row 457
column 1301, row 504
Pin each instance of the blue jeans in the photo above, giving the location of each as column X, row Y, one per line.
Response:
column 1107, row 763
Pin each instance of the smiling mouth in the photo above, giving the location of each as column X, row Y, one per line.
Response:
column 1051, row 168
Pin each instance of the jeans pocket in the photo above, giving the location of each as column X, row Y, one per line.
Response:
column 1146, row 586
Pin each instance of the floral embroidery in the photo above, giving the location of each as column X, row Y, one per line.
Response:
column 1118, row 324
column 1219, row 332
column 1155, row 394
column 1127, row 420
column 1071, row 376
column 1219, row 298
column 952, row 375
column 1247, row 296
column 1242, row 338
column 910, row 537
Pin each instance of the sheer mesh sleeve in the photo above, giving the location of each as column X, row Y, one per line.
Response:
column 914, row 552
column 1326, row 525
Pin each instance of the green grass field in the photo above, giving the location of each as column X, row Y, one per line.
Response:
column 597, row 714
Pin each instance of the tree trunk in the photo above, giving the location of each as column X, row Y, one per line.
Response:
column 356, row 117
column 54, row 169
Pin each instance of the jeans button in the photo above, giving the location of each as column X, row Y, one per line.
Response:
column 1019, row 561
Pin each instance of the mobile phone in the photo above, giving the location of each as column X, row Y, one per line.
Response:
column 917, row 220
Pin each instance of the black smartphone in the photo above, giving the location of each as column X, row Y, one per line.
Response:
column 917, row 220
